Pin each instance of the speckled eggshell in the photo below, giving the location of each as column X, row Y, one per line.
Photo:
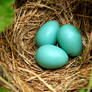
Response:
column 51, row 57
column 70, row 39
column 47, row 33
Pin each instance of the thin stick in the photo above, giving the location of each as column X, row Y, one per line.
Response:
column 5, row 72
column 10, row 85
column 31, row 72
column 68, row 84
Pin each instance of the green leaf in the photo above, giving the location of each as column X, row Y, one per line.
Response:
column 4, row 90
column 6, row 3
column 83, row 90
column 6, row 14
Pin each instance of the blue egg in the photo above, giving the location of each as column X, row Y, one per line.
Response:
column 70, row 39
column 51, row 57
column 47, row 33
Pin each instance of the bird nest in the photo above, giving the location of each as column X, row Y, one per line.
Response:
column 17, row 47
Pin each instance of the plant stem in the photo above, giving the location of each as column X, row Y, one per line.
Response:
column 90, row 82
column 10, row 85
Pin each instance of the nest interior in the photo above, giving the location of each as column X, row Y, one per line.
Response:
column 18, row 47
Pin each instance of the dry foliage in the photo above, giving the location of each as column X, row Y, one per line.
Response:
column 17, row 46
